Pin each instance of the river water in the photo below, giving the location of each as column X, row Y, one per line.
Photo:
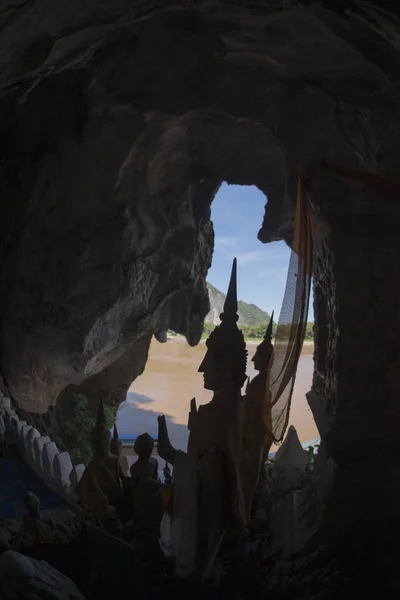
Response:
column 171, row 379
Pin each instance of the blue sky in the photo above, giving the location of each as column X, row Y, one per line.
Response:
column 237, row 213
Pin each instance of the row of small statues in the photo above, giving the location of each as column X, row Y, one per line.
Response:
column 218, row 484
column 118, row 503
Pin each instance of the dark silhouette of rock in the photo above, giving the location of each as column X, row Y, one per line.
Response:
column 23, row 577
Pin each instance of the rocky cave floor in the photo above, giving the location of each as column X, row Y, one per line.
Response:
column 361, row 565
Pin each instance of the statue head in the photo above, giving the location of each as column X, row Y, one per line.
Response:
column 264, row 350
column 116, row 444
column 100, row 436
column 225, row 361
column 32, row 505
column 144, row 446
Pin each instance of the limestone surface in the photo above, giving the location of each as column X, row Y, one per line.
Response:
column 27, row 578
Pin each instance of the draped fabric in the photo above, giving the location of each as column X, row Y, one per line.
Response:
column 385, row 185
column 292, row 319
column 293, row 316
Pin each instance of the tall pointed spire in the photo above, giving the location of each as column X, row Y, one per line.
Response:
column 100, row 434
column 231, row 305
column 101, row 417
column 115, row 443
column 268, row 333
column 226, row 341
column 262, row 356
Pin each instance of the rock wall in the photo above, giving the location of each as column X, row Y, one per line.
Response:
column 24, row 577
column 358, row 269
column 118, row 122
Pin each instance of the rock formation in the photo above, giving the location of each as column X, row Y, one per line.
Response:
column 22, row 577
column 120, row 119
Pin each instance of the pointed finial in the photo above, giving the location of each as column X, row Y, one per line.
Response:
column 230, row 305
column 115, row 435
column 268, row 333
column 226, row 340
column 101, row 417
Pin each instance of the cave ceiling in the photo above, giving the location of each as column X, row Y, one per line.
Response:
column 119, row 121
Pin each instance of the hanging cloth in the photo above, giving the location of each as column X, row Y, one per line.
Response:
column 293, row 316
column 292, row 319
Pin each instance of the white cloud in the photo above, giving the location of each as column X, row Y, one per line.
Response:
column 223, row 242
column 250, row 257
column 270, row 252
column 277, row 274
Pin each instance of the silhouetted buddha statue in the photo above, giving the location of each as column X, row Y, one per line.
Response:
column 101, row 482
column 214, row 449
column 216, row 433
column 37, row 530
column 146, row 465
column 146, row 489
column 33, row 530
column 258, row 423
column 167, row 474
column 116, row 449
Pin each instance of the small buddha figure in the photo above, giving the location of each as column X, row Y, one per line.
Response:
column 167, row 474
column 258, row 421
column 101, row 483
column 116, row 449
column 146, row 465
column 35, row 529
column 213, row 459
column 146, row 488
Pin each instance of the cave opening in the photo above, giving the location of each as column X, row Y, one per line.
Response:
column 170, row 378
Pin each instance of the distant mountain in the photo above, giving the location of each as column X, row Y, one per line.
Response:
column 249, row 314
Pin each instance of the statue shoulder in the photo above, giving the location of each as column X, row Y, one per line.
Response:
column 256, row 385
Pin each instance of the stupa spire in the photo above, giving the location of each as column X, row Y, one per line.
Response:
column 268, row 333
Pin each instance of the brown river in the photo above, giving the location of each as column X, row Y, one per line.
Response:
column 171, row 379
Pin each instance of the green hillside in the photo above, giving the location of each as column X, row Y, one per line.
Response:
column 251, row 314
column 253, row 321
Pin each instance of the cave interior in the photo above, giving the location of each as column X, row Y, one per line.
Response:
column 119, row 121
